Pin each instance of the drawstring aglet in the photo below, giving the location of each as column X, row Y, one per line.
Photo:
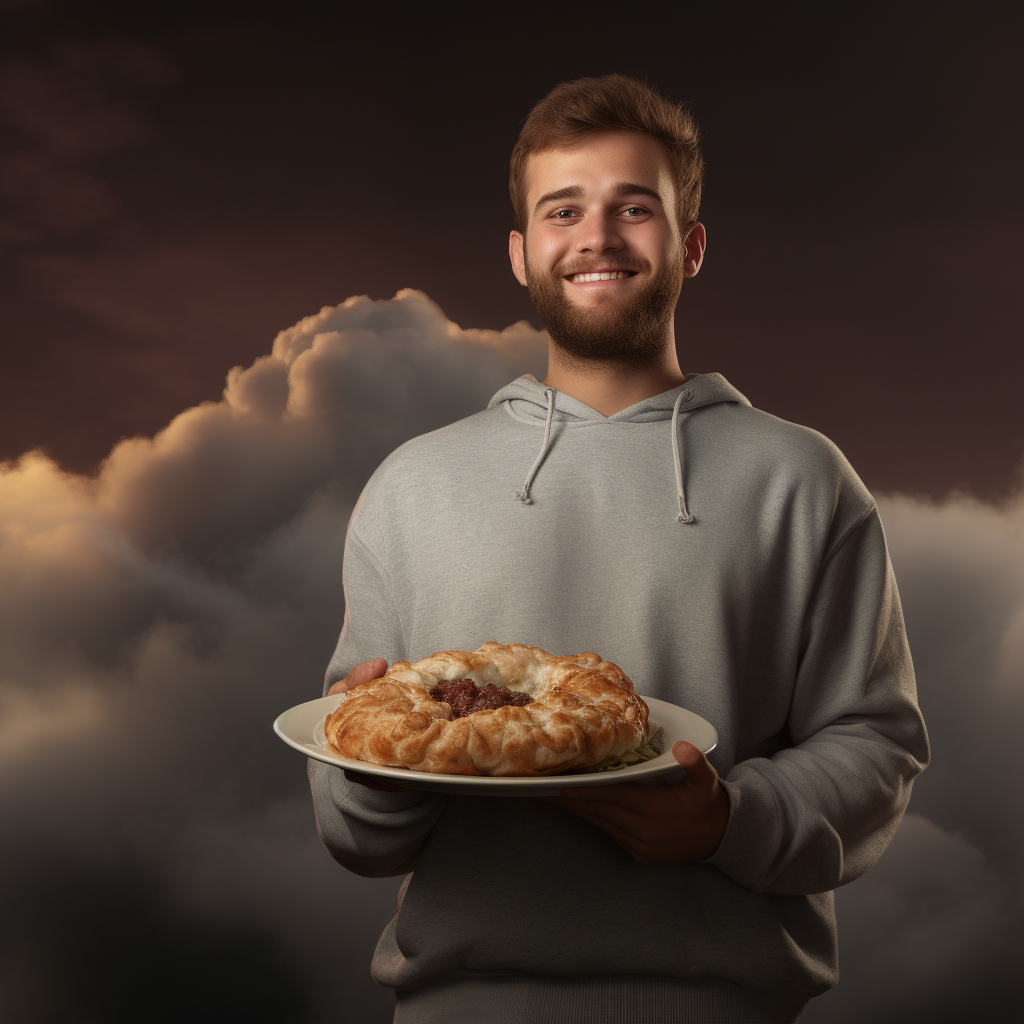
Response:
column 524, row 494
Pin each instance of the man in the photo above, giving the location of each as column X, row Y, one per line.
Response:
column 728, row 561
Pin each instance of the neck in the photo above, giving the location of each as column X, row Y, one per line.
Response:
column 610, row 387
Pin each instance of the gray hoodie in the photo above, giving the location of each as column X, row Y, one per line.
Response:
column 731, row 563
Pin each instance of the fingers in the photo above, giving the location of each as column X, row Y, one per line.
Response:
column 632, row 795
column 613, row 821
column 625, row 837
column 628, row 819
column 677, row 821
column 362, row 673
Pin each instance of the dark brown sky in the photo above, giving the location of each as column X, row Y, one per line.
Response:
column 176, row 193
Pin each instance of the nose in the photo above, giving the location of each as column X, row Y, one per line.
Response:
column 599, row 234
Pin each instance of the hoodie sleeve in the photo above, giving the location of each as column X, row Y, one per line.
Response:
column 820, row 813
column 371, row 832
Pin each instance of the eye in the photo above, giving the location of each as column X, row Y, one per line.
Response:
column 558, row 214
column 635, row 211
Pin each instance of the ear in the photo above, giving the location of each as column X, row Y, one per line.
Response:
column 516, row 255
column 696, row 242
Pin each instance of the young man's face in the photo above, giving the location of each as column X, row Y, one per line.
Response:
column 606, row 206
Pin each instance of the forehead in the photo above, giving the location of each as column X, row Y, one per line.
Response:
column 598, row 164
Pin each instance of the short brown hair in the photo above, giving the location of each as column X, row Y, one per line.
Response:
column 572, row 111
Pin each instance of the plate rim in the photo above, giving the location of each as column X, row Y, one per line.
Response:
column 661, row 765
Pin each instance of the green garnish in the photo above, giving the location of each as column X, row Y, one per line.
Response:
column 613, row 762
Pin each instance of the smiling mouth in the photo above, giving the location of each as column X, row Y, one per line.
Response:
column 600, row 275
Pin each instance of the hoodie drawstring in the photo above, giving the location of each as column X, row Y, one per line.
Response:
column 524, row 494
column 684, row 396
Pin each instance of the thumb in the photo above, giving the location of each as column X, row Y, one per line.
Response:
column 697, row 766
column 361, row 673
column 372, row 669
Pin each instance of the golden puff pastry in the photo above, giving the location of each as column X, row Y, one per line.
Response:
column 583, row 709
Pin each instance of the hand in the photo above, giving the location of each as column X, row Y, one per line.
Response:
column 679, row 821
column 363, row 673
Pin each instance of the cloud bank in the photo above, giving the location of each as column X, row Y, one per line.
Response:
column 933, row 932
column 155, row 618
column 153, row 622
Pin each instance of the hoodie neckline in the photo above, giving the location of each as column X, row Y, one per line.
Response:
column 527, row 398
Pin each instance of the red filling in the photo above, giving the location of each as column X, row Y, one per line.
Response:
column 465, row 697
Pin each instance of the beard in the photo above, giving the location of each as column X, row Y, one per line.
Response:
column 632, row 331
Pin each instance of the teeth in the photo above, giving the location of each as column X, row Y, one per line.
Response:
column 601, row 275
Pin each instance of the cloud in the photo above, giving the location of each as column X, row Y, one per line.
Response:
column 960, row 567
column 931, row 933
column 156, row 617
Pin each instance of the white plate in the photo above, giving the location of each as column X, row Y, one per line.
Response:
column 302, row 727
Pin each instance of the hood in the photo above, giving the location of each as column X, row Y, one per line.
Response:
column 530, row 399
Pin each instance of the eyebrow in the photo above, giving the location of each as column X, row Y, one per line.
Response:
column 622, row 189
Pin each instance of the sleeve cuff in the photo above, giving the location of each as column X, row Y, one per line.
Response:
column 748, row 847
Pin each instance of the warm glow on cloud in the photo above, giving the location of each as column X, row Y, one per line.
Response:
column 156, row 618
